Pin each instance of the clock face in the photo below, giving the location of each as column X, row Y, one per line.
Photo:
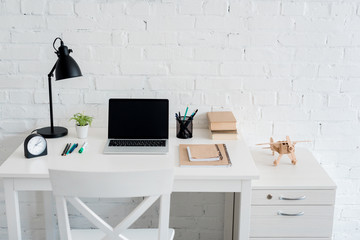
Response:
column 36, row 145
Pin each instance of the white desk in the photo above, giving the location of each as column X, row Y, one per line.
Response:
column 21, row 174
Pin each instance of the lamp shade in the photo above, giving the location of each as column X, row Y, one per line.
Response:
column 66, row 67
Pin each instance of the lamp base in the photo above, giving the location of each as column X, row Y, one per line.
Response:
column 47, row 133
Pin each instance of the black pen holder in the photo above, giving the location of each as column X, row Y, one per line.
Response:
column 184, row 128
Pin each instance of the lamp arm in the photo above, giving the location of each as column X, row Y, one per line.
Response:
column 50, row 98
column 51, row 73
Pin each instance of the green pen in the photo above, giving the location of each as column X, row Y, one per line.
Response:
column 83, row 147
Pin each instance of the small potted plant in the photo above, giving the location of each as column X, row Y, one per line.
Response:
column 82, row 124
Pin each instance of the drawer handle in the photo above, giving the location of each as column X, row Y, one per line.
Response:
column 297, row 198
column 290, row 214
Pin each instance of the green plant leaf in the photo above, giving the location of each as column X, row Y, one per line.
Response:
column 81, row 119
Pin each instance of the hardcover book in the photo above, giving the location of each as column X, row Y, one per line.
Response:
column 221, row 121
column 224, row 135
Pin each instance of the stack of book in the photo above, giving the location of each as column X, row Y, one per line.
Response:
column 222, row 125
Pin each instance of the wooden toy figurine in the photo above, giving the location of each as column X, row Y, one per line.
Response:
column 283, row 147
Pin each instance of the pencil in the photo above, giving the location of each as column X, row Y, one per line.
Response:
column 187, row 108
column 68, row 149
column 65, row 149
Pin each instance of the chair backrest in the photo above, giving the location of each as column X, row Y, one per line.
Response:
column 152, row 184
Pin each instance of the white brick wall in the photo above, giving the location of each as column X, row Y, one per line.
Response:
column 283, row 67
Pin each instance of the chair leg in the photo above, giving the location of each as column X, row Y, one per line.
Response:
column 63, row 220
column 164, row 217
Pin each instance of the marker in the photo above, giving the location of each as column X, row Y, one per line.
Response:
column 187, row 108
column 83, row 147
column 73, row 147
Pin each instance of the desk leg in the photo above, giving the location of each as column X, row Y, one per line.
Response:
column 12, row 210
column 50, row 223
column 242, row 212
column 229, row 216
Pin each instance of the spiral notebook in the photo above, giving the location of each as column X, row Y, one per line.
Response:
column 205, row 148
column 204, row 152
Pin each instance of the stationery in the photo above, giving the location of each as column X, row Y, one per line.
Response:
column 185, row 161
column 204, row 152
column 187, row 108
column 73, row 147
column 184, row 126
column 66, row 149
column 194, row 113
column 82, row 149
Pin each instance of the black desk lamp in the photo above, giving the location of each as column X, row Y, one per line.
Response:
column 65, row 67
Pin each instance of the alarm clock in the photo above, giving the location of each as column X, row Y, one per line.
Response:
column 35, row 145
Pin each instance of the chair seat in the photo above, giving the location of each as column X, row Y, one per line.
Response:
column 131, row 234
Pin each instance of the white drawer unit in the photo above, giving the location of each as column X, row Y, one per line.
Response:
column 291, row 202
column 290, row 239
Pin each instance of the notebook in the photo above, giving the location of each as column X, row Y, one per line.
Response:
column 222, row 151
column 203, row 152
column 138, row 126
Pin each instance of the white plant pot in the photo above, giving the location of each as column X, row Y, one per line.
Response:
column 82, row 131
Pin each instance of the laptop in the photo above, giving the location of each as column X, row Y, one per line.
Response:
column 138, row 126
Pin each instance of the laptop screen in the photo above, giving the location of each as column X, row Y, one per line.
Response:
column 138, row 118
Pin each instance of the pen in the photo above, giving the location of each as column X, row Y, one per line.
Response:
column 83, row 147
column 73, row 147
column 187, row 108
column 177, row 117
column 194, row 113
column 190, row 119
column 68, row 151
column 65, row 149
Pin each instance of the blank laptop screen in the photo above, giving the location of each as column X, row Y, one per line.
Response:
column 138, row 118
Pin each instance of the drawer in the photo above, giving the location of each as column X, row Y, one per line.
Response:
column 312, row 221
column 293, row 197
column 290, row 239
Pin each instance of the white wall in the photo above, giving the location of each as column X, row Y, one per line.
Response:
column 284, row 67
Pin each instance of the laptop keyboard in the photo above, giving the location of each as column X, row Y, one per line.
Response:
column 137, row 143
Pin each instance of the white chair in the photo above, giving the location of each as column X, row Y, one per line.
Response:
column 151, row 184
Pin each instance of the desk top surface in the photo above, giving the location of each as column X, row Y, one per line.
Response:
column 306, row 174
column 93, row 159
